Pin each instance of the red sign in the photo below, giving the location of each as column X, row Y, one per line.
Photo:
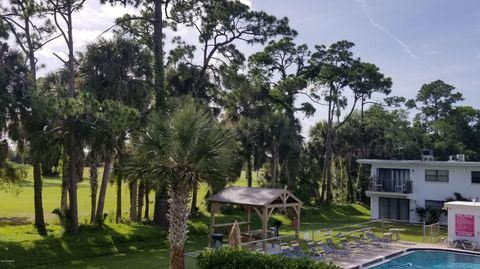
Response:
column 464, row 225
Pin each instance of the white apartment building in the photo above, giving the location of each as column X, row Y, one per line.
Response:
column 398, row 187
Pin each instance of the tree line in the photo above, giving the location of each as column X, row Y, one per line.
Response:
column 164, row 121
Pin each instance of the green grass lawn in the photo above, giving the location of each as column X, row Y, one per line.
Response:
column 19, row 208
column 99, row 248
column 122, row 246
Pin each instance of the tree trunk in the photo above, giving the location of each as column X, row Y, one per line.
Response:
column 327, row 196
column 147, row 201
column 352, row 196
column 158, row 54
column 133, row 186
column 141, row 193
column 193, row 209
column 160, row 208
column 275, row 163
column 327, row 162
column 37, row 189
column 103, row 189
column 324, row 184
column 316, row 190
column 93, row 190
column 118, row 215
column 286, row 171
column 73, row 202
column 177, row 233
column 72, row 182
column 37, row 171
column 249, row 171
column 64, row 195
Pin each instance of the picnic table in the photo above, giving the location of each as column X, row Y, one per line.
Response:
column 397, row 232
column 258, row 234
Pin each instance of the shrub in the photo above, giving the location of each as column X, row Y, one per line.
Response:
column 240, row 258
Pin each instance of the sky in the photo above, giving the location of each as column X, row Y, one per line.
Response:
column 412, row 41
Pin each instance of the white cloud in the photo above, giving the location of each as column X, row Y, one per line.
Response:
column 88, row 24
column 247, row 2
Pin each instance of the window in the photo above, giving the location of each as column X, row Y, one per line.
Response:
column 434, row 204
column 436, row 175
column 438, row 213
column 475, row 176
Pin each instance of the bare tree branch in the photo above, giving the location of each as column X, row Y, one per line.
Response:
column 60, row 58
column 119, row 22
column 312, row 99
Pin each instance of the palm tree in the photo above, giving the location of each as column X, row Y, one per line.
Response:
column 100, row 151
column 118, row 70
column 13, row 82
column 181, row 149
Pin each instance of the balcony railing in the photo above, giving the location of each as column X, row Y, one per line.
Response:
column 389, row 185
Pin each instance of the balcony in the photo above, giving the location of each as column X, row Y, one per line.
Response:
column 390, row 185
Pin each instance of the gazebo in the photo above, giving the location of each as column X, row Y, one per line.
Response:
column 261, row 200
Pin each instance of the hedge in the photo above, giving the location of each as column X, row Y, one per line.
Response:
column 240, row 258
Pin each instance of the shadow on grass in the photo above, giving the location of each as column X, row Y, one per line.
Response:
column 4, row 221
column 90, row 242
column 144, row 259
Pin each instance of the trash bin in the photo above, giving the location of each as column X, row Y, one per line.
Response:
column 277, row 225
column 274, row 231
column 217, row 240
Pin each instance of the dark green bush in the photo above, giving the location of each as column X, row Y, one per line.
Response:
column 230, row 258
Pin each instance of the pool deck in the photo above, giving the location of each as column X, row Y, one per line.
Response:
column 367, row 256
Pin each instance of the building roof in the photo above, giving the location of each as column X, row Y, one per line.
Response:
column 463, row 204
column 252, row 196
column 419, row 162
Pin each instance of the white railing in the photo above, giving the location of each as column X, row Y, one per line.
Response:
column 431, row 231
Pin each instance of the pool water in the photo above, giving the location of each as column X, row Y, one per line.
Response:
column 423, row 259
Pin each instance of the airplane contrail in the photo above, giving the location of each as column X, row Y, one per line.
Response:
column 406, row 48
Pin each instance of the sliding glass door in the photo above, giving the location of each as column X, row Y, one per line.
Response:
column 393, row 208
column 393, row 180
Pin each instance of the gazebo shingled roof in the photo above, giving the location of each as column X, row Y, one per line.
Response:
column 252, row 196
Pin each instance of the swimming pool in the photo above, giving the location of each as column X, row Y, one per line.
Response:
column 431, row 259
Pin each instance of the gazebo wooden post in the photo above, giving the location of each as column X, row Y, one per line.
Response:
column 264, row 227
column 249, row 212
column 213, row 210
column 297, row 215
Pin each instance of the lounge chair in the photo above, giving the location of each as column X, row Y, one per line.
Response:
column 326, row 248
column 360, row 240
column 287, row 251
column 345, row 243
column 464, row 244
column 372, row 236
column 260, row 250
column 341, row 252
column 328, row 234
column 297, row 250
column 314, row 252
column 375, row 240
